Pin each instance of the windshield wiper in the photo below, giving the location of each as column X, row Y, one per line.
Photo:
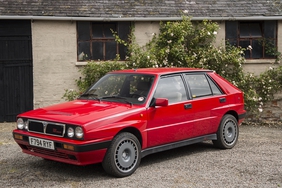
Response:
column 90, row 96
column 117, row 97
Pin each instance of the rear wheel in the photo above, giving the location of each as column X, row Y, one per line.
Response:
column 123, row 156
column 228, row 132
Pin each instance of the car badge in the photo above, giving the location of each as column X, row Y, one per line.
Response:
column 44, row 125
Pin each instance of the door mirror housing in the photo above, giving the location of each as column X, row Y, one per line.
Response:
column 161, row 102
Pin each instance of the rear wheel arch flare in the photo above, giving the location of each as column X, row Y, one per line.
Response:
column 233, row 113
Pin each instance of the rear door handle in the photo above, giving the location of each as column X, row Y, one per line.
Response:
column 187, row 106
column 222, row 100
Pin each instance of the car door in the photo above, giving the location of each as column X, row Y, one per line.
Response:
column 170, row 123
column 208, row 103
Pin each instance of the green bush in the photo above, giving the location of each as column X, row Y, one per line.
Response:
column 186, row 44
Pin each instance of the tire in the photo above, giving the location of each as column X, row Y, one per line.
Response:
column 123, row 156
column 228, row 132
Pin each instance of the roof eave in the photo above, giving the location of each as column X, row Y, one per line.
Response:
column 58, row 18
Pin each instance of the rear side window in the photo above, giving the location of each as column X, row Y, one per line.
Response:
column 201, row 85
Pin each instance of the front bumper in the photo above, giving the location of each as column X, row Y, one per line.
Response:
column 66, row 152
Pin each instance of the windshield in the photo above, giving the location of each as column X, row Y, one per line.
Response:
column 127, row 88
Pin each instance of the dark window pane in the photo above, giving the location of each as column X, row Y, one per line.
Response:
column 248, row 30
column 231, row 29
column 111, row 50
column 231, row 42
column 270, row 29
column 97, row 30
column 245, row 44
column 83, row 51
column 124, row 30
column 107, row 30
column 83, row 30
column 122, row 51
column 97, row 50
column 257, row 49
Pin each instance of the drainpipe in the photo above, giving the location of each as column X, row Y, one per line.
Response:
column 137, row 19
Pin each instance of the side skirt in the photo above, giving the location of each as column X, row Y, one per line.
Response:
column 181, row 143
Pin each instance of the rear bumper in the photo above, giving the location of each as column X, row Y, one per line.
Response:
column 82, row 154
column 241, row 117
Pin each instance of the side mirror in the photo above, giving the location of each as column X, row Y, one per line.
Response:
column 161, row 102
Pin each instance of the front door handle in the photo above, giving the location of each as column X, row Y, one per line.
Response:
column 187, row 106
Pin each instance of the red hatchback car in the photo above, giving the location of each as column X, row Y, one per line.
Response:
column 129, row 114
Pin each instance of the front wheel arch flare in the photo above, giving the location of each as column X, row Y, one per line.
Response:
column 133, row 131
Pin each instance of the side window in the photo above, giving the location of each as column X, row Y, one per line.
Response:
column 171, row 88
column 95, row 40
column 215, row 89
column 199, row 85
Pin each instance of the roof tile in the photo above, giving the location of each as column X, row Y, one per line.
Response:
column 140, row 8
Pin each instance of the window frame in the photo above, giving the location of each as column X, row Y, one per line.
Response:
column 259, row 44
column 209, row 81
column 172, row 99
column 91, row 47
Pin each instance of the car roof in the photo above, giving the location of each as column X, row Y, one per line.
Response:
column 161, row 71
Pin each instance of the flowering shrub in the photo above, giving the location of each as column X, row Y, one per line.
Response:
column 186, row 44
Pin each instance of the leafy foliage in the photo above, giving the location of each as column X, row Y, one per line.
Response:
column 186, row 44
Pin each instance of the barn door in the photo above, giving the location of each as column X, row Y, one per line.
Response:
column 16, row 76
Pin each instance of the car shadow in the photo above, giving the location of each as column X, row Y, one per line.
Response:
column 177, row 152
column 65, row 172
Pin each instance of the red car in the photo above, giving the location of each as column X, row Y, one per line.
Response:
column 129, row 114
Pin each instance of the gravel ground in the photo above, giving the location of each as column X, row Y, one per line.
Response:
column 256, row 161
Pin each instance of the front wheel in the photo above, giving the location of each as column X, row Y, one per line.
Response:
column 123, row 156
column 228, row 132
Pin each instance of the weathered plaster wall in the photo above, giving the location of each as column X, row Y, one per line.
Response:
column 144, row 31
column 54, row 58
column 220, row 36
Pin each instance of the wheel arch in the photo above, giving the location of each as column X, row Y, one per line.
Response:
column 233, row 113
column 133, row 131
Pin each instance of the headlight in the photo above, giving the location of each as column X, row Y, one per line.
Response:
column 78, row 132
column 20, row 123
column 70, row 132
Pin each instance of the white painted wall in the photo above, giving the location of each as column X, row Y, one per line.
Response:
column 54, row 58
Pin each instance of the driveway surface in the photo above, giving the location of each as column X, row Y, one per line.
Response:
column 256, row 161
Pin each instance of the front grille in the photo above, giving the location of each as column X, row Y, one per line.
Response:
column 52, row 153
column 48, row 128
